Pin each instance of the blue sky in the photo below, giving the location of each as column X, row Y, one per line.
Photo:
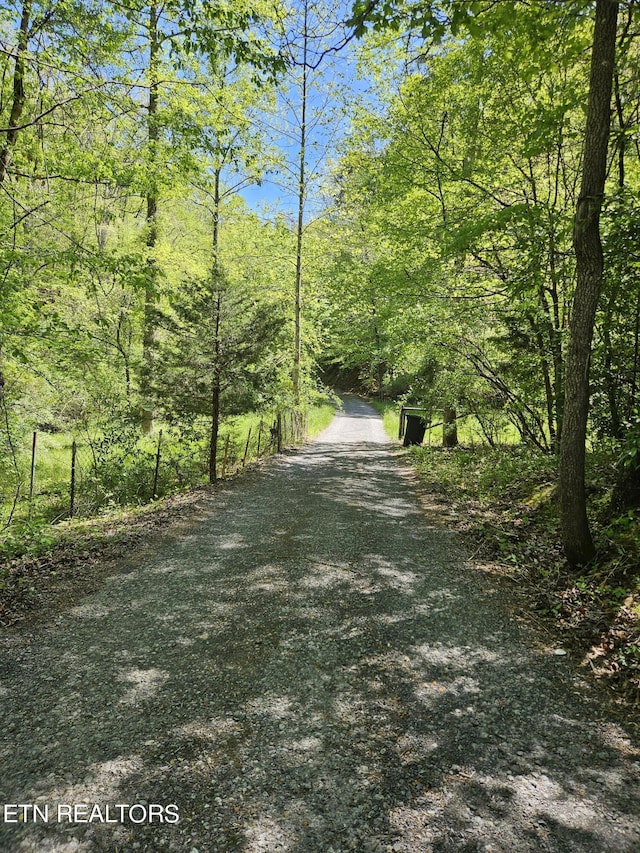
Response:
column 333, row 87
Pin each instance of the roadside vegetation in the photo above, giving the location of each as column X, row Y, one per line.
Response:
column 48, row 562
column 504, row 500
column 64, row 476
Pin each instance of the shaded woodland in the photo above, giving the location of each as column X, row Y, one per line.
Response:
column 457, row 229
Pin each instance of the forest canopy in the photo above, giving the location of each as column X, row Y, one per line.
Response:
column 424, row 249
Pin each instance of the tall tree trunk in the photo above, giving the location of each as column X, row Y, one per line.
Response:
column 19, row 94
column 17, row 106
column 622, row 127
column 215, row 392
column 555, row 321
column 576, row 534
column 217, row 308
column 297, row 351
column 449, row 427
column 558, row 369
column 148, row 335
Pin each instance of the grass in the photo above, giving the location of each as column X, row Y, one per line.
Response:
column 124, row 478
column 469, row 430
column 390, row 416
column 319, row 417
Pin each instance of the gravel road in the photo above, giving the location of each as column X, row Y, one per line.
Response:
column 308, row 665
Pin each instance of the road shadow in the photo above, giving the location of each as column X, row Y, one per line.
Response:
column 311, row 667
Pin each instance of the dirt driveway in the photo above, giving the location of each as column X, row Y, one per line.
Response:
column 308, row 666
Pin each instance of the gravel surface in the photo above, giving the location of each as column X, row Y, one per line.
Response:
column 310, row 665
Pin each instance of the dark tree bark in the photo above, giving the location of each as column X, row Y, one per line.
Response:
column 216, row 381
column 148, row 335
column 302, row 186
column 19, row 94
column 577, row 540
column 449, row 427
column 17, row 106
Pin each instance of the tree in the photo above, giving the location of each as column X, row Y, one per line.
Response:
column 470, row 178
column 101, row 116
column 19, row 94
column 48, row 85
column 440, row 21
column 308, row 124
column 220, row 337
column 176, row 34
column 578, row 542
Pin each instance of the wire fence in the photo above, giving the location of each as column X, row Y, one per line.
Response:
column 64, row 476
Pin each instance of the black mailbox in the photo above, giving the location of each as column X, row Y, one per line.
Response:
column 413, row 425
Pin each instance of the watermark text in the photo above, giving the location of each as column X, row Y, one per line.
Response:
column 136, row 813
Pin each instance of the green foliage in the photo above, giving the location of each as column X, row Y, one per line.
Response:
column 319, row 417
column 615, row 363
column 629, row 459
column 219, row 335
column 447, row 202
column 484, row 474
column 25, row 538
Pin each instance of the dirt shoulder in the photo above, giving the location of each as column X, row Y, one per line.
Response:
column 36, row 587
column 510, row 527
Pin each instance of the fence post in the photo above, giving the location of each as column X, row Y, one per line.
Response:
column 259, row 437
column 226, row 454
column 246, row 448
column 279, row 433
column 157, row 468
column 72, row 496
column 32, row 480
